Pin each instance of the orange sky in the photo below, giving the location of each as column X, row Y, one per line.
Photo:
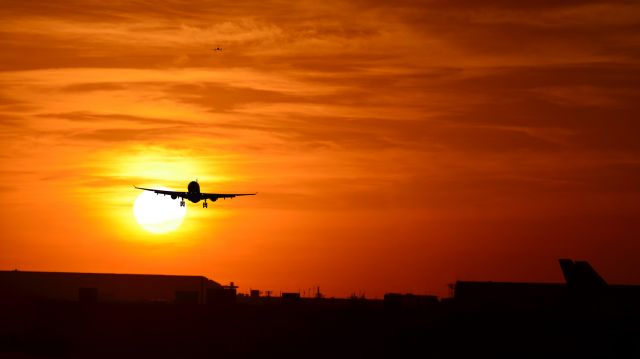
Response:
column 395, row 146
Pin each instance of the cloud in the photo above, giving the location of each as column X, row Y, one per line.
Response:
column 127, row 135
column 496, row 87
column 453, row 127
column 89, row 117
column 221, row 98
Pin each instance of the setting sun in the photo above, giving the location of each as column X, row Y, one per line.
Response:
column 158, row 214
column 394, row 147
column 358, row 173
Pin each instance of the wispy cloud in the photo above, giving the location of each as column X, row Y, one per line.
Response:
column 497, row 110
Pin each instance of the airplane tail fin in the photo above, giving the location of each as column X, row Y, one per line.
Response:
column 587, row 276
column 581, row 275
column 567, row 267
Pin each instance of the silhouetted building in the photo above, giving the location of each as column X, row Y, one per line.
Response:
column 471, row 324
column 187, row 297
column 222, row 295
column 104, row 287
column 510, row 294
column 584, row 286
column 408, row 301
column 88, row 295
column 290, row 297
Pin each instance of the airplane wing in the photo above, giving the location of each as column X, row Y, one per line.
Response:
column 166, row 193
column 215, row 196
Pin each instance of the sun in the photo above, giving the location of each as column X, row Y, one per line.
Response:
column 157, row 213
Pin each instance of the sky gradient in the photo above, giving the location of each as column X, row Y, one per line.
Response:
column 395, row 146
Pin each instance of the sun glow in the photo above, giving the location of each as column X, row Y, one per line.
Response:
column 158, row 214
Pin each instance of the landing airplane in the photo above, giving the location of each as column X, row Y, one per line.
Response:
column 217, row 49
column 194, row 195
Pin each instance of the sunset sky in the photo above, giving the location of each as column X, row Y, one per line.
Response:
column 395, row 146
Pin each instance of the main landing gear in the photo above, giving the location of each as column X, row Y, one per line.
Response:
column 182, row 204
column 204, row 204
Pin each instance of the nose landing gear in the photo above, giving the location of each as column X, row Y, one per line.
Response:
column 182, row 204
column 204, row 204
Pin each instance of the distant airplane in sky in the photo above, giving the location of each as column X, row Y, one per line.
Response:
column 217, row 49
column 194, row 195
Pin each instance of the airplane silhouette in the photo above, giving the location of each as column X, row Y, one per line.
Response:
column 217, row 49
column 194, row 195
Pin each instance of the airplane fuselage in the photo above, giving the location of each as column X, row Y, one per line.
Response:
column 193, row 192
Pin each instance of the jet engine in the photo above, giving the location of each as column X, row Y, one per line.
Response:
column 174, row 196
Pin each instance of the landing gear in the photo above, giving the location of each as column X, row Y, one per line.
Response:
column 182, row 204
column 204, row 204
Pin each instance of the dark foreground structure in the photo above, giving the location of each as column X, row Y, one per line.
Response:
column 82, row 315
column 104, row 287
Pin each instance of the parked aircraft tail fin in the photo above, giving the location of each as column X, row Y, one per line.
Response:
column 580, row 275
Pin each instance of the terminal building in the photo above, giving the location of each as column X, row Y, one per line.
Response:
column 107, row 287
